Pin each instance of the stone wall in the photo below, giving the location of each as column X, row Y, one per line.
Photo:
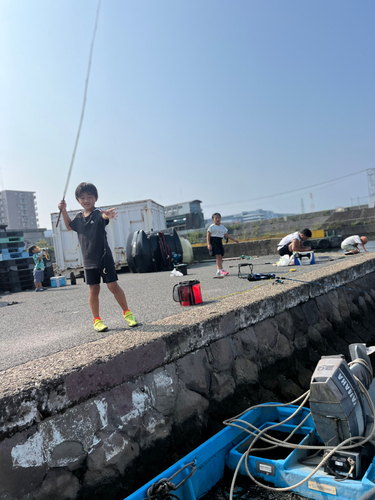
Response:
column 367, row 230
column 253, row 248
column 96, row 422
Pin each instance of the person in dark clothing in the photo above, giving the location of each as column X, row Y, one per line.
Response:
column 98, row 262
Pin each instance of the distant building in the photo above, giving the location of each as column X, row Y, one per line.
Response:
column 228, row 219
column 252, row 216
column 18, row 210
column 31, row 236
column 48, row 236
column 186, row 215
column 259, row 215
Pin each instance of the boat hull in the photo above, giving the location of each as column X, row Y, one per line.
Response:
column 226, row 448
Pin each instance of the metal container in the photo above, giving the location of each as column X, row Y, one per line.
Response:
column 133, row 216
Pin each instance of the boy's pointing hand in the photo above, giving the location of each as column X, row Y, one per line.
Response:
column 110, row 213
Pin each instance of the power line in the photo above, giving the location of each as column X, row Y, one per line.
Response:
column 287, row 192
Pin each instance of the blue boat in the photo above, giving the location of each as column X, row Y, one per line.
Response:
column 322, row 453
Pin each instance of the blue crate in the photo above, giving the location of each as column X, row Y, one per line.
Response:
column 18, row 264
column 14, row 256
column 13, row 238
column 8, row 251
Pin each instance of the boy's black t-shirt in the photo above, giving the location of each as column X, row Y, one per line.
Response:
column 92, row 237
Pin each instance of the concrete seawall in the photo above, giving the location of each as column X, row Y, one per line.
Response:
column 256, row 247
column 99, row 420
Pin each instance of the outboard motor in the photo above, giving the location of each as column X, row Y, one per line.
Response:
column 338, row 406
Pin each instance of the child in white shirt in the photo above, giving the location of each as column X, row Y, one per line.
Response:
column 215, row 234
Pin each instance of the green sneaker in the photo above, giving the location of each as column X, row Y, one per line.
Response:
column 99, row 326
column 130, row 319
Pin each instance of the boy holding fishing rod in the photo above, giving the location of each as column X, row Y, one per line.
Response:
column 97, row 256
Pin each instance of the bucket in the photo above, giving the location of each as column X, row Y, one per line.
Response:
column 182, row 268
column 188, row 293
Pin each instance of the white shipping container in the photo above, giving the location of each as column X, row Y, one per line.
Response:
column 132, row 216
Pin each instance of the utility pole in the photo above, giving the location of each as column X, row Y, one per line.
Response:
column 312, row 203
column 302, row 206
column 371, row 187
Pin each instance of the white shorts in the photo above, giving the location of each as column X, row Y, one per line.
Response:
column 348, row 247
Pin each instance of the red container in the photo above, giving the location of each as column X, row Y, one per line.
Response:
column 188, row 293
column 197, row 293
column 184, row 296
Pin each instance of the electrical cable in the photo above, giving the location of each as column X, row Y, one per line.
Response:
column 290, row 191
column 270, row 439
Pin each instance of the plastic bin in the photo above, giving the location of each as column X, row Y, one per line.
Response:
column 182, row 268
column 14, row 256
column 12, row 239
column 58, row 281
column 10, row 250
column 304, row 258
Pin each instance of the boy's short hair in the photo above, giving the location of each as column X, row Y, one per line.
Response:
column 86, row 187
column 216, row 213
column 306, row 232
column 31, row 248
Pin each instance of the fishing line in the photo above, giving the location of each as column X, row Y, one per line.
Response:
column 234, row 293
column 243, row 291
column 323, row 284
column 83, row 106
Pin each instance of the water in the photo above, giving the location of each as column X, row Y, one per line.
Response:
column 245, row 489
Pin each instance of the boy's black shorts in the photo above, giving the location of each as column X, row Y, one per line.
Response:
column 109, row 275
column 217, row 245
column 285, row 250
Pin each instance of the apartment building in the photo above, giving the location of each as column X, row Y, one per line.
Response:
column 18, row 210
column 186, row 215
column 254, row 215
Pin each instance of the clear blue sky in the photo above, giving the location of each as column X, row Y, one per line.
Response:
column 222, row 101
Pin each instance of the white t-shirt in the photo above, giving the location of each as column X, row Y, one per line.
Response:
column 217, row 231
column 352, row 240
column 288, row 239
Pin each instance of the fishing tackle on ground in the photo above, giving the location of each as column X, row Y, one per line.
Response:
column 250, row 276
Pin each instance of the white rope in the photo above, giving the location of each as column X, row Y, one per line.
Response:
column 83, row 105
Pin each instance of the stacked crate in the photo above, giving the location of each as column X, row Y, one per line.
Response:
column 48, row 273
column 16, row 266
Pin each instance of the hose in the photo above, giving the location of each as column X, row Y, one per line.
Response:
column 344, row 445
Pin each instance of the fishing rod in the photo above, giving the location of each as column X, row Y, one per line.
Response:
column 83, row 107
column 281, row 278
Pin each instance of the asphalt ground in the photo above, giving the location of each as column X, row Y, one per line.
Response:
column 39, row 324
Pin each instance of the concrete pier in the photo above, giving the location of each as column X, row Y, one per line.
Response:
column 98, row 420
